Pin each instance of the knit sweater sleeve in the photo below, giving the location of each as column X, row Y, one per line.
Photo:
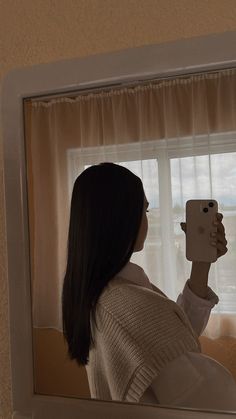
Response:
column 140, row 332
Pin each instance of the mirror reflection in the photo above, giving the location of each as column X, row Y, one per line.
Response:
column 109, row 173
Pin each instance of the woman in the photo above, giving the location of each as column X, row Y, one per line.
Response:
column 137, row 345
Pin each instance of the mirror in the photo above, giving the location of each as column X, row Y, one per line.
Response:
column 21, row 87
column 56, row 155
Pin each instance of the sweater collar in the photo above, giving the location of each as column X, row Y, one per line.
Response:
column 135, row 274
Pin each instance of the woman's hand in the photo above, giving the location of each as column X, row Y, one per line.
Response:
column 218, row 237
column 200, row 270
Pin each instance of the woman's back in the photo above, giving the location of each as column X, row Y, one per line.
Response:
column 147, row 351
column 139, row 332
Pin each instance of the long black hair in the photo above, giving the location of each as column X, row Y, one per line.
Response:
column 106, row 212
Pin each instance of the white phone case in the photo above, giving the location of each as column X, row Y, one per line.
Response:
column 199, row 226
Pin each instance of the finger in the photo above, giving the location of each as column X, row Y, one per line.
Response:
column 219, row 253
column 219, row 225
column 220, row 247
column 183, row 226
column 219, row 216
column 219, row 238
column 222, row 251
column 222, row 240
column 221, row 228
column 219, row 234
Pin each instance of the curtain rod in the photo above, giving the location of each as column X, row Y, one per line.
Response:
column 125, row 84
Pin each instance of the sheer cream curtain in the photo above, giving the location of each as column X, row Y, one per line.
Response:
column 178, row 135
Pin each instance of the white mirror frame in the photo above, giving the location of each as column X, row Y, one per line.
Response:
column 182, row 57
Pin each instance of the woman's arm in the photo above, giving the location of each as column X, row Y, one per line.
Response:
column 198, row 299
column 198, row 282
column 196, row 308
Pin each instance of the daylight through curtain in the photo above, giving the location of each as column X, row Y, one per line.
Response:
column 178, row 135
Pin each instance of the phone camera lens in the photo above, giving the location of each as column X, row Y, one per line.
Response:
column 211, row 204
column 205, row 209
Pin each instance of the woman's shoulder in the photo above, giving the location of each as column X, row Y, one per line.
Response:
column 151, row 321
column 122, row 286
column 132, row 304
column 122, row 297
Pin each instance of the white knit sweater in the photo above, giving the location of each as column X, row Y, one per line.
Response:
column 139, row 332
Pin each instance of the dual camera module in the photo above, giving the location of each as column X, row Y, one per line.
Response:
column 211, row 204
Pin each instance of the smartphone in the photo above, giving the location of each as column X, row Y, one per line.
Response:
column 200, row 214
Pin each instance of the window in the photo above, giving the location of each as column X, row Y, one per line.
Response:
column 171, row 175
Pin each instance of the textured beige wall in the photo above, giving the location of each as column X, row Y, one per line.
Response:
column 42, row 31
